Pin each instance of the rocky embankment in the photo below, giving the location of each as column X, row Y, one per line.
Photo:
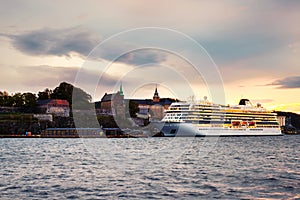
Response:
column 20, row 123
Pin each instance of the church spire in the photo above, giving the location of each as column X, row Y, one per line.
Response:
column 121, row 90
column 156, row 96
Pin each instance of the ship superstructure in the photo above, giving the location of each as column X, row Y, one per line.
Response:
column 204, row 118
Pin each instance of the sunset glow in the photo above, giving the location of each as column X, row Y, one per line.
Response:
column 255, row 46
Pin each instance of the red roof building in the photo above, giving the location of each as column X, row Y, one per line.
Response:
column 57, row 107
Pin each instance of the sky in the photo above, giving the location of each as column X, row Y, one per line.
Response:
column 225, row 50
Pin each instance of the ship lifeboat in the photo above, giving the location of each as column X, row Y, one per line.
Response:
column 235, row 123
column 251, row 123
column 244, row 123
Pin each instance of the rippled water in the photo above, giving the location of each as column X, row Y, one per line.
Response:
column 156, row 168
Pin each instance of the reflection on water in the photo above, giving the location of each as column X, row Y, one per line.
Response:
column 243, row 167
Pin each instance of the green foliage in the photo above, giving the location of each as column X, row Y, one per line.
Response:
column 1, row 98
column 29, row 101
column 16, row 123
column 68, row 92
column 133, row 108
column 26, row 100
column 5, row 99
column 107, row 121
column 18, row 100
column 46, row 94
column 65, row 91
column 16, row 116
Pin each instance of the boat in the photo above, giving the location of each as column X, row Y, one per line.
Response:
column 204, row 118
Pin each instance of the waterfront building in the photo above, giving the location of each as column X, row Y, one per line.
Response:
column 57, row 107
column 281, row 120
column 112, row 104
column 153, row 108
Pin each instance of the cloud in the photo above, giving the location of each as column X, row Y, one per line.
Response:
column 64, row 42
column 288, row 82
column 240, row 45
column 57, row 42
column 135, row 57
column 44, row 76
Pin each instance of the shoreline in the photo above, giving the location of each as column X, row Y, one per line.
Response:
column 76, row 136
column 116, row 136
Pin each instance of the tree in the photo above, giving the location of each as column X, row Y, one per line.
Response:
column 133, row 108
column 46, row 94
column 68, row 92
column 17, row 99
column 29, row 101
column 1, row 98
column 7, row 99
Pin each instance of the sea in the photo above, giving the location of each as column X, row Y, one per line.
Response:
column 150, row 168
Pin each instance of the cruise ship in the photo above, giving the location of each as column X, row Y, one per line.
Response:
column 204, row 118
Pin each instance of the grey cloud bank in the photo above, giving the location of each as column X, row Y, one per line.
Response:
column 288, row 82
column 57, row 42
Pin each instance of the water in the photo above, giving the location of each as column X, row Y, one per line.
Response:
column 150, row 168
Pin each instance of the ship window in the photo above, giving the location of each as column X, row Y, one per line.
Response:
column 173, row 131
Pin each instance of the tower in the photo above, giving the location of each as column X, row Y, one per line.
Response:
column 121, row 90
column 156, row 96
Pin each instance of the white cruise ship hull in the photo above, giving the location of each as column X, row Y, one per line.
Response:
column 172, row 129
